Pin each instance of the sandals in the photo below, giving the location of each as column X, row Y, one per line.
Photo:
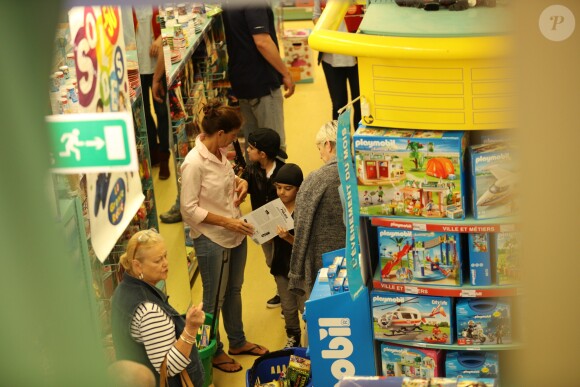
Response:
column 220, row 367
column 255, row 350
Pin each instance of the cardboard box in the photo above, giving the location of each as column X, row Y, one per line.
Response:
column 420, row 257
column 483, row 321
column 493, row 180
column 406, row 317
column 480, row 271
column 507, row 253
column 410, row 173
column 398, row 360
column 297, row 55
column 472, row 364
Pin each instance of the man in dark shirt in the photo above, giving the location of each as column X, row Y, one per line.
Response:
column 256, row 70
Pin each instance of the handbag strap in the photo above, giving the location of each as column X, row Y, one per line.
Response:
column 185, row 379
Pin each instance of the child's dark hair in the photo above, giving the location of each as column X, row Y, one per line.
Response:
column 219, row 117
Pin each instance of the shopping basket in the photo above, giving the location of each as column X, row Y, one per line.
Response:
column 269, row 366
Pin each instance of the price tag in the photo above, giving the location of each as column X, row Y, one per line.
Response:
column 468, row 293
column 411, row 289
column 422, row 345
column 419, row 227
column 473, row 348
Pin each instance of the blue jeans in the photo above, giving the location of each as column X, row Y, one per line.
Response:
column 209, row 258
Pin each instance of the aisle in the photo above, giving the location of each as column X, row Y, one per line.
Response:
column 304, row 113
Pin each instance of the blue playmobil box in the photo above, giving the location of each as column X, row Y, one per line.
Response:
column 398, row 360
column 483, row 321
column 410, row 173
column 406, row 317
column 480, row 271
column 472, row 364
column 507, row 258
column 420, row 257
column 493, row 180
column 383, row 381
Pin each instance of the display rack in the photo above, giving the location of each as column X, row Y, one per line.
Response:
column 468, row 225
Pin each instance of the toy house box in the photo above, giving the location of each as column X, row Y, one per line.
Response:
column 410, row 173
column 398, row 360
column 419, row 257
column 405, row 317
column 493, row 180
column 483, row 321
column 507, row 258
column 297, row 55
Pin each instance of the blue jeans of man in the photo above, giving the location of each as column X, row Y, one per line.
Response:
column 209, row 258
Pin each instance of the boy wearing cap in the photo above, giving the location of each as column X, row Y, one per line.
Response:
column 287, row 182
column 264, row 156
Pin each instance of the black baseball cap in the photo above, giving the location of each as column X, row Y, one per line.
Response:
column 290, row 174
column 267, row 141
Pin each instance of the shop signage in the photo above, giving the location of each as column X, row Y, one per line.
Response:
column 92, row 142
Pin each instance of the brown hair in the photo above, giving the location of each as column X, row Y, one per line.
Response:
column 141, row 239
column 219, row 117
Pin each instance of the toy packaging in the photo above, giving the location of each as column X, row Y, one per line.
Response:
column 410, row 173
column 493, row 180
column 382, row 381
column 420, row 257
column 479, row 259
column 472, row 364
column 298, row 371
column 297, row 55
column 507, row 257
column 398, row 360
column 484, row 321
column 407, row 317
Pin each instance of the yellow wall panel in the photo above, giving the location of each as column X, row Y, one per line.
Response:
column 425, row 88
column 401, row 101
column 418, row 73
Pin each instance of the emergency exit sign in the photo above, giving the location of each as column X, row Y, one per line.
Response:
column 93, row 142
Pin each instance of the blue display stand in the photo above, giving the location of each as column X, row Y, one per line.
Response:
column 340, row 335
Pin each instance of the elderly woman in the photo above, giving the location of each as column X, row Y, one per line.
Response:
column 146, row 329
column 318, row 221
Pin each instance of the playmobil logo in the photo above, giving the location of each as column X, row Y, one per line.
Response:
column 482, row 316
column 398, row 351
column 340, row 346
column 385, row 144
column 487, row 159
column 406, row 234
column 388, row 299
column 470, row 371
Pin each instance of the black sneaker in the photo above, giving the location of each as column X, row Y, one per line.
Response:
column 171, row 216
column 273, row 302
column 292, row 341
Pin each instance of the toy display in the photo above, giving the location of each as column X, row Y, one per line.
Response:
column 472, row 364
column 507, row 256
column 410, row 173
column 479, row 259
column 297, row 55
column 382, row 381
column 420, row 257
column 412, row 318
column 484, row 321
column 398, row 360
column 493, row 180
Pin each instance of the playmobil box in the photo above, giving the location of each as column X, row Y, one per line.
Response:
column 420, row 257
column 507, row 258
column 410, row 173
column 406, row 317
column 398, row 360
column 479, row 246
column 483, row 321
column 472, row 364
column 493, row 180
column 297, row 55
column 383, row 381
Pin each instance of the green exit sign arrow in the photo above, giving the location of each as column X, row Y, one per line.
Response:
column 92, row 142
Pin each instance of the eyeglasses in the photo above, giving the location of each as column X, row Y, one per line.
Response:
column 144, row 237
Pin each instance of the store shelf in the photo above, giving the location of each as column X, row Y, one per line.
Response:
column 194, row 42
column 137, row 96
column 467, row 225
column 455, row 347
column 296, row 13
column 465, row 291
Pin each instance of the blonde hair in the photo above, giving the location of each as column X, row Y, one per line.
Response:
column 327, row 132
column 144, row 238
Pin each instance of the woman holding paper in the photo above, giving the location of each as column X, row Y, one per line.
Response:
column 210, row 197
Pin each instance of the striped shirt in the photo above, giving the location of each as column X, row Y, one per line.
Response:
column 156, row 330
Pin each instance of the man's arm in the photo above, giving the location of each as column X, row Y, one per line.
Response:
column 157, row 86
column 270, row 52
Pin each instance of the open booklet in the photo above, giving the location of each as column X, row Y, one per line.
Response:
column 266, row 219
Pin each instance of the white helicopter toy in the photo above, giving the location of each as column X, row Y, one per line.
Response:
column 406, row 319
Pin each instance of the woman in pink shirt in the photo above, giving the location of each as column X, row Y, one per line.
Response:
column 210, row 197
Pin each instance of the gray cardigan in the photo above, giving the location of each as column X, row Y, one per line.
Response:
column 318, row 226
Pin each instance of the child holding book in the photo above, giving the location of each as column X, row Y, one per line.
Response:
column 287, row 182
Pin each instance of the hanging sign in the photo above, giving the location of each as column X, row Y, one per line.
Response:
column 346, row 171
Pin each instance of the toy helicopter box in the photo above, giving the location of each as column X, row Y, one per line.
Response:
column 480, row 272
column 420, row 257
column 405, row 317
column 507, row 257
column 410, row 173
column 483, row 321
column 472, row 364
column 398, row 360
column 493, row 180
